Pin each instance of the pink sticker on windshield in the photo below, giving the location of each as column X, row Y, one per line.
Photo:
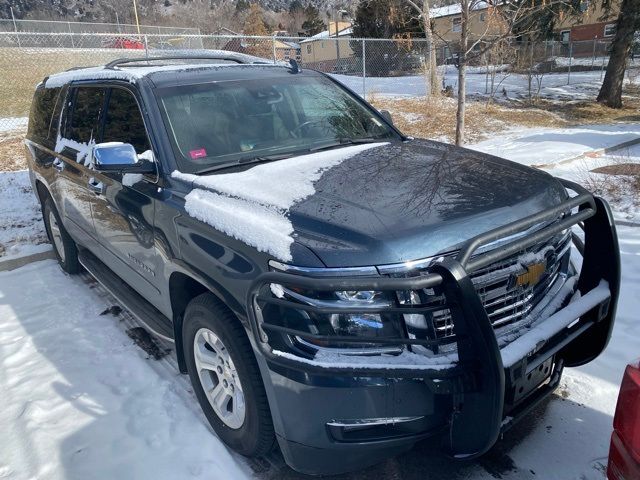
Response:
column 198, row 153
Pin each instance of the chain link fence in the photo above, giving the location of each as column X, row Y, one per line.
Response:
column 396, row 67
column 52, row 26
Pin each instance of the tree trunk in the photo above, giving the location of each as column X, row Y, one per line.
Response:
column 628, row 22
column 432, row 88
column 462, row 71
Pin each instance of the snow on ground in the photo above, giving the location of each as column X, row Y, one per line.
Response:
column 558, row 86
column 9, row 124
column 79, row 400
column 573, row 153
column 545, row 146
column 21, row 230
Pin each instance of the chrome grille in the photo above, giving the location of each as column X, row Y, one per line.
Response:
column 505, row 302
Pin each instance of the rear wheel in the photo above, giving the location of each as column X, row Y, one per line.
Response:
column 63, row 245
column 225, row 376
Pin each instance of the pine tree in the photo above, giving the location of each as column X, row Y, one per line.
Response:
column 313, row 24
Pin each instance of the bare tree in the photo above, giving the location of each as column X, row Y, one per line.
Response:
column 507, row 19
column 422, row 10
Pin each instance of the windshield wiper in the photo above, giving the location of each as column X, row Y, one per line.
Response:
column 344, row 141
column 244, row 161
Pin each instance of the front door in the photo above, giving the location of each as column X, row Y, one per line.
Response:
column 123, row 214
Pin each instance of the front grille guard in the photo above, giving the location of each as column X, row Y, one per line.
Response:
column 477, row 381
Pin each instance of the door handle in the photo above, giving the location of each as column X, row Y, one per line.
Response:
column 58, row 164
column 95, row 186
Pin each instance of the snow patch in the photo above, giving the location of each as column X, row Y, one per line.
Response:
column 253, row 205
column 407, row 360
column 83, row 149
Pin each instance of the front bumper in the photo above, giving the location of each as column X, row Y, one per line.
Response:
column 473, row 399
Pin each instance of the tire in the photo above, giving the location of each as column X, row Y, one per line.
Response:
column 209, row 329
column 64, row 247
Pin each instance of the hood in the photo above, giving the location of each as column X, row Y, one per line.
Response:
column 410, row 200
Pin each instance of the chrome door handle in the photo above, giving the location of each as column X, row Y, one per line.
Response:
column 58, row 165
column 95, row 186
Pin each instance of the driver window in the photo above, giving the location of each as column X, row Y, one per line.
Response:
column 123, row 121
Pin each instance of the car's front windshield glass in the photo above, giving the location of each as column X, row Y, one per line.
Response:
column 222, row 123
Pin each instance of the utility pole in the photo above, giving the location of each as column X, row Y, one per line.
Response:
column 15, row 25
column 135, row 12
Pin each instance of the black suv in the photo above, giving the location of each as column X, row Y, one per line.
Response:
column 329, row 283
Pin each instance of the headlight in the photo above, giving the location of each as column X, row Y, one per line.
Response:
column 360, row 324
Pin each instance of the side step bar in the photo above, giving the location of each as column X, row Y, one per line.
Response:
column 146, row 313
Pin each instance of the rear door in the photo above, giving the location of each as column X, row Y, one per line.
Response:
column 78, row 132
column 123, row 212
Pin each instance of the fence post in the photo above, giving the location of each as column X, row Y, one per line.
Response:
column 146, row 47
column 71, row 35
column 273, row 45
column 570, row 60
column 364, row 69
column 602, row 69
column 15, row 26
column 593, row 55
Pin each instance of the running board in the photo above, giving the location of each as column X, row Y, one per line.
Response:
column 146, row 313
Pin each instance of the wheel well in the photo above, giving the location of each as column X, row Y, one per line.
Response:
column 42, row 191
column 182, row 289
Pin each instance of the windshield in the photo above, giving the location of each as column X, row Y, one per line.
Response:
column 217, row 124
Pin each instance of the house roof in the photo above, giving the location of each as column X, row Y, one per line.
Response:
column 454, row 9
column 345, row 32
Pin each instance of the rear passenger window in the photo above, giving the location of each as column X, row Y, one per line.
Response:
column 123, row 122
column 83, row 124
column 42, row 109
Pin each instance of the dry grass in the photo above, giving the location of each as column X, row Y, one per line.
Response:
column 435, row 118
column 12, row 155
column 630, row 169
column 23, row 69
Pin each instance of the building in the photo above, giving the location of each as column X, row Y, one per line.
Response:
column 276, row 47
column 590, row 23
column 330, row 50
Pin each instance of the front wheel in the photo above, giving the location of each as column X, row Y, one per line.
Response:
column 225, row 377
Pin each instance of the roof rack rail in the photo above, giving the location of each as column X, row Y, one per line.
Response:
column 230, row 58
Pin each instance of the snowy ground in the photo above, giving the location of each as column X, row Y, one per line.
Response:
column 555, row 86
column 21, row 229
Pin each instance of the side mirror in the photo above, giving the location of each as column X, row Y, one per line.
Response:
column 387, row 116
column 119, row 157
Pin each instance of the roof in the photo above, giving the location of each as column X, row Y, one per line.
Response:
column 165, row 75
column 325, row 34
column 454, row 9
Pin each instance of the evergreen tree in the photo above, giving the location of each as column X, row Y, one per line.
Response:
column 312, row 24
column 385, row 19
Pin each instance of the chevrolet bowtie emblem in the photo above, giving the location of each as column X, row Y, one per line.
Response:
column 531, row 276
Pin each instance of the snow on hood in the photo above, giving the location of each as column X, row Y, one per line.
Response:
column 253, row 205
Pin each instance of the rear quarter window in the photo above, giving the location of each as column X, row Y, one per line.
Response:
column 42, row 111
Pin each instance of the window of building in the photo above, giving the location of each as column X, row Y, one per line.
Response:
column 309, row 49
column 83, row 122
column 565, row 36
column 123, row 121
column 482, row 17
column 457, row 24
column 610, row 30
